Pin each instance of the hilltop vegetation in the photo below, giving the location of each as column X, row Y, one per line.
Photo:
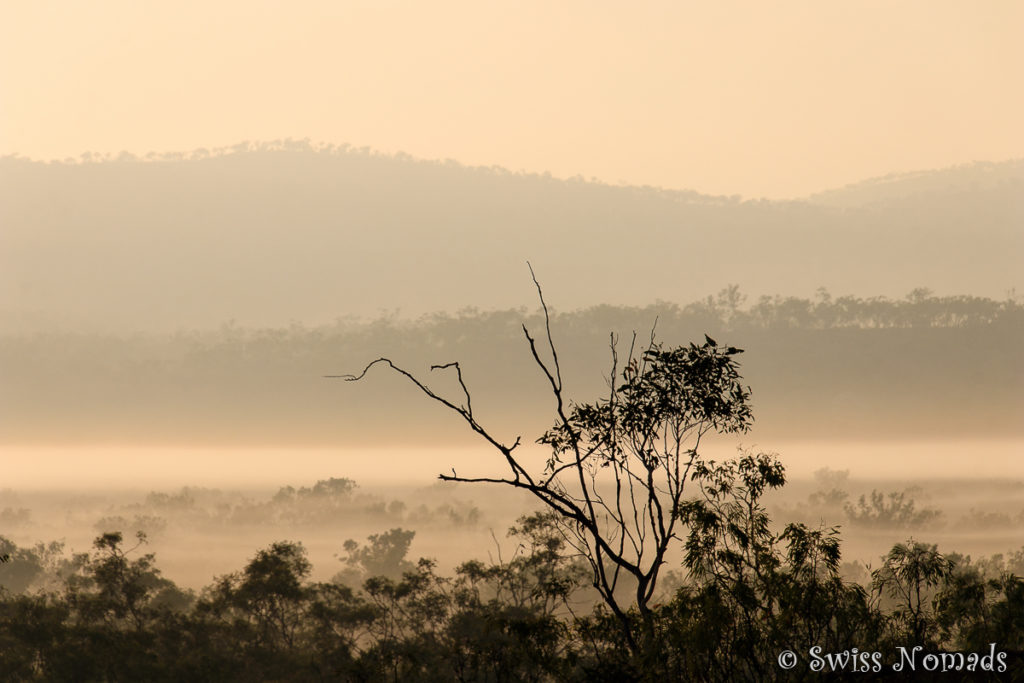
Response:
column 272, row 233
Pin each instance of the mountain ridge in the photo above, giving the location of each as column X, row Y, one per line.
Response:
column 1013, row 167
column 270, row 235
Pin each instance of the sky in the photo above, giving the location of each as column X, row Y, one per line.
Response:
column 758, row 99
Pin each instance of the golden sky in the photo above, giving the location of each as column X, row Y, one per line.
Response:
column 774, row 99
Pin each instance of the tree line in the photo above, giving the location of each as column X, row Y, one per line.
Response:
column 749, row 594
column 897, row 364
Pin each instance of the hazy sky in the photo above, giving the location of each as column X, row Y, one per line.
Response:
column 755, row 98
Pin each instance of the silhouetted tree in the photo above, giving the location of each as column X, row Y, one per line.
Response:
column 911, row 575
column 619, row 466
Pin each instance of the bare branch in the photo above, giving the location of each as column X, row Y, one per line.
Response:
column 464, row 412
column 547, row 326
column 458, row 371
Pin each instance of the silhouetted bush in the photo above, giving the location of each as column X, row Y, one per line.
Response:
column 893, row 510
column 745, row 593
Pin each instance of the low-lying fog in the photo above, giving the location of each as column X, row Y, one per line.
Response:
column 206, row 511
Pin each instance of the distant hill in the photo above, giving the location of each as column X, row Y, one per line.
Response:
column 268, row 234
column 970, row 182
